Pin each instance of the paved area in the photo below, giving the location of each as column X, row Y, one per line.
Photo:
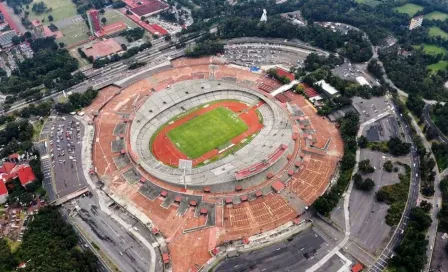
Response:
column 439, row 261
column 370, row 108
column 125, row 251
column 64, row 145
column 382, row 130
column 367, row 216
column 295, row 254
column 259, row 54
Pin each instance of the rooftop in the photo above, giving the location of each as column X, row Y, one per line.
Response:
column 113, row 28
column 151, row 7
column 102, row 48
column 327, row 87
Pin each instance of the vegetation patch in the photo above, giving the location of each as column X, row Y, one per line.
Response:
column 207, row 131
column 441, row 153
column 441, row 65
column 410, row 9
column 436, row 15
column 435, row 31
column 58, row 9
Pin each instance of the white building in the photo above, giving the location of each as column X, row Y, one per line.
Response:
column 416, row 22
column 363, row 81
column 327, row 88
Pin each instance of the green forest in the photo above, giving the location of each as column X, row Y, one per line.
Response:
column 49, row 244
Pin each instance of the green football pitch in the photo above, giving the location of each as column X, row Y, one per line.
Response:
column 207, row 132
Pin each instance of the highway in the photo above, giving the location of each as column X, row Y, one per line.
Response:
column 414, row 188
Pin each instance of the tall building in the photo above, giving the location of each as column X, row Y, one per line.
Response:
column 416, row 22
column 94, row 21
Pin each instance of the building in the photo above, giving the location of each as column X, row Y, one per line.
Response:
column 112, row 30
column 416, row 22
column 102, row 49
column 327, row 88
column 3, row 192
column 6, row 38
column 150, row 8
column 2, row 18
column 10, row 171
column 94, row 21
column 363, row 81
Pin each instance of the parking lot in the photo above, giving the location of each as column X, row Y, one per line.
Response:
column 371, row 108
column 258, row 54
column 64, row 146
column 350, row 71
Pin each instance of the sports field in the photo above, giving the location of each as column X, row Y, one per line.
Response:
column 435, row 31
column 436, row 15
column 207, row 132
column 60, row 9
column 409, row 9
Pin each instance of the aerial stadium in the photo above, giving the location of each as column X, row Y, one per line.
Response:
column 206, row 153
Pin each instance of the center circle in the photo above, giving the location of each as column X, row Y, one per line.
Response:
column 207, row 133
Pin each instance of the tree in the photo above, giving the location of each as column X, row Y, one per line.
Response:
column 102, row 11
column 398, row 147
column 50, row 244
column 415, row 104
column 50, row 18
column 368, row 185
column 426, row 206
column 375, row 68
column 388, row 166
column 362, row 142
column 365, row 166
column 15, row 40
column 7, row 259
column 124, row 47
column 103, row 20
column 61, row 45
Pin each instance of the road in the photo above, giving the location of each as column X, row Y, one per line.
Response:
column 428, row 121
column 122, row 248
column 398, row 235
column 436, row 200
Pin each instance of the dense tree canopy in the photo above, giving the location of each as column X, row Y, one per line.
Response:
column 49, row 244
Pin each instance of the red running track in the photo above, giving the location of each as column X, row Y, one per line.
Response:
column 166, row 152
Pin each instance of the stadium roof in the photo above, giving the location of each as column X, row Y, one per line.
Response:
column 151, row 7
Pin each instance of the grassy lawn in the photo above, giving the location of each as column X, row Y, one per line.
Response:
column 37, row 128
column 441, row 65
column 207, row 132
column 409, row 9
column 13, row 245
column 61, row 9
column 432, row 49
column 436, row 31
column 74, row 33
column 436, row 15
